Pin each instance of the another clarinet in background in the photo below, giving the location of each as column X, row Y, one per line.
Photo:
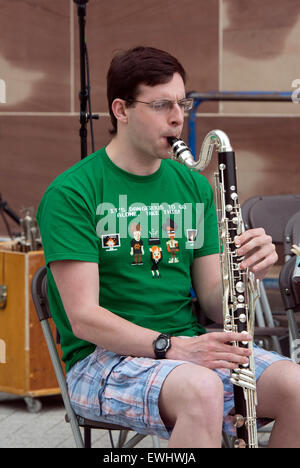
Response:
column 239, row 287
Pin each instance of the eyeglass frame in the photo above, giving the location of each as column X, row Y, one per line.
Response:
column 151, row 103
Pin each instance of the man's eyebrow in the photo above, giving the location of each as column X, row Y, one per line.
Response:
column 167, row 99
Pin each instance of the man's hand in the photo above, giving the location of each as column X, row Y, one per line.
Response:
column 211, row 350
column 258, row 249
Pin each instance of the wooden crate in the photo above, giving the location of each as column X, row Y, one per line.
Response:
column 25, row 364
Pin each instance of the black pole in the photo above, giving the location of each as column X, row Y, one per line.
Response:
column 4, row 206
column 83, row 94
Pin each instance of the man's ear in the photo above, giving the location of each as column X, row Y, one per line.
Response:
column 120, row 111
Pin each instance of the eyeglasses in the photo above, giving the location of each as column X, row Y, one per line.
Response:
column 165, row 105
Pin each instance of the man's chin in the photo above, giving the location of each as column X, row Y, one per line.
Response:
column 165, row 153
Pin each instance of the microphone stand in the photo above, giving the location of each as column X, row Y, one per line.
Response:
column 4, row 208
column 84, row 94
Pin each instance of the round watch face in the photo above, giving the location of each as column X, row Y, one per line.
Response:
column 161, row 343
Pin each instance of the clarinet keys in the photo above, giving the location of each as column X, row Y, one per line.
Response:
column 239, row 443
column 238, row 420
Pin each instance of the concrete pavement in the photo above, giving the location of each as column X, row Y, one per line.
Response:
column 45, row 429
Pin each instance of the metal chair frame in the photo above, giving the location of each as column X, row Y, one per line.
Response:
column 40, row 299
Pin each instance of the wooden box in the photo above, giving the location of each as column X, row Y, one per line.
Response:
column 25, row 364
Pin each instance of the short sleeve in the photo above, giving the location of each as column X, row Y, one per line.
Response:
column 67, row 226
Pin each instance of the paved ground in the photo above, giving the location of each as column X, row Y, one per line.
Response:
column 47, row 428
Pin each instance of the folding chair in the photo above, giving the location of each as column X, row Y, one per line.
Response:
column 40, row 299
column 289, row 282
column 271, row 212
column 290, row 292
column 291, row 235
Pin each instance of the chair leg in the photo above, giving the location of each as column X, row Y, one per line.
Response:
column 62, row 383
column 269, row 317
column 294, row 337
column 134, row 440
column 122, row 438
column 226, row 440
column 155, row 441
column 87, row 437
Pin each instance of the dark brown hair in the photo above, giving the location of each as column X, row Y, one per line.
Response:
column 140, row 65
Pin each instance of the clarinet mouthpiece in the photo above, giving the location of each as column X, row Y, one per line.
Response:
column 172, row 140
column 181, row 151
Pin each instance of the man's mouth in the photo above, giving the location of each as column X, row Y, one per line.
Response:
column 170, row 138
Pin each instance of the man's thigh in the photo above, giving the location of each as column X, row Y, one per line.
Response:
column 190, row 388
column 275, row 386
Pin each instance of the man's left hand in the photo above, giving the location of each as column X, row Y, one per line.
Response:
column 258, row 249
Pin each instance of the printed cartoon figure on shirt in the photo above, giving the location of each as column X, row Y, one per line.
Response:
column 156, row 258
column 172, row 243
column 137, row 249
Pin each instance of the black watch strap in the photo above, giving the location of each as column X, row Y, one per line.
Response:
column 161, row 345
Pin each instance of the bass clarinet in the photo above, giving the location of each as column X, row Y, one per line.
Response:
column 240, row 290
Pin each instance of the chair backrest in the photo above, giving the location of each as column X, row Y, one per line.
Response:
column 271, row 212
column 39, row 294
column 292, row 234
column 290, row 289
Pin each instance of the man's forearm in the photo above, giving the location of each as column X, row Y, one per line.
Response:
column 106, row 329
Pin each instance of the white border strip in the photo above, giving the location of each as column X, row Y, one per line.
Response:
column 2, row 92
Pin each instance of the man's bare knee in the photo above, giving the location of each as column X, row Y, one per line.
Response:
column 193, row 391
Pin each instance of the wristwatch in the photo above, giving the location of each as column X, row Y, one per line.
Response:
column 161, row 345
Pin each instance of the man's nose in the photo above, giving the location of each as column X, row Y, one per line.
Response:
column 176, row 116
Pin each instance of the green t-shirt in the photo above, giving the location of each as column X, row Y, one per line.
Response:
column 143, row 231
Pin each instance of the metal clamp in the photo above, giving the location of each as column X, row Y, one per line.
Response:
column 3, row 296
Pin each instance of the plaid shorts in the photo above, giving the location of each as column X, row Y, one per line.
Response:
column 125, row 390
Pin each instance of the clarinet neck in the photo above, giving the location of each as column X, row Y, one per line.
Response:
column 215, row 139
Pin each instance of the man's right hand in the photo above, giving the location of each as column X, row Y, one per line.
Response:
column 211, row 350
